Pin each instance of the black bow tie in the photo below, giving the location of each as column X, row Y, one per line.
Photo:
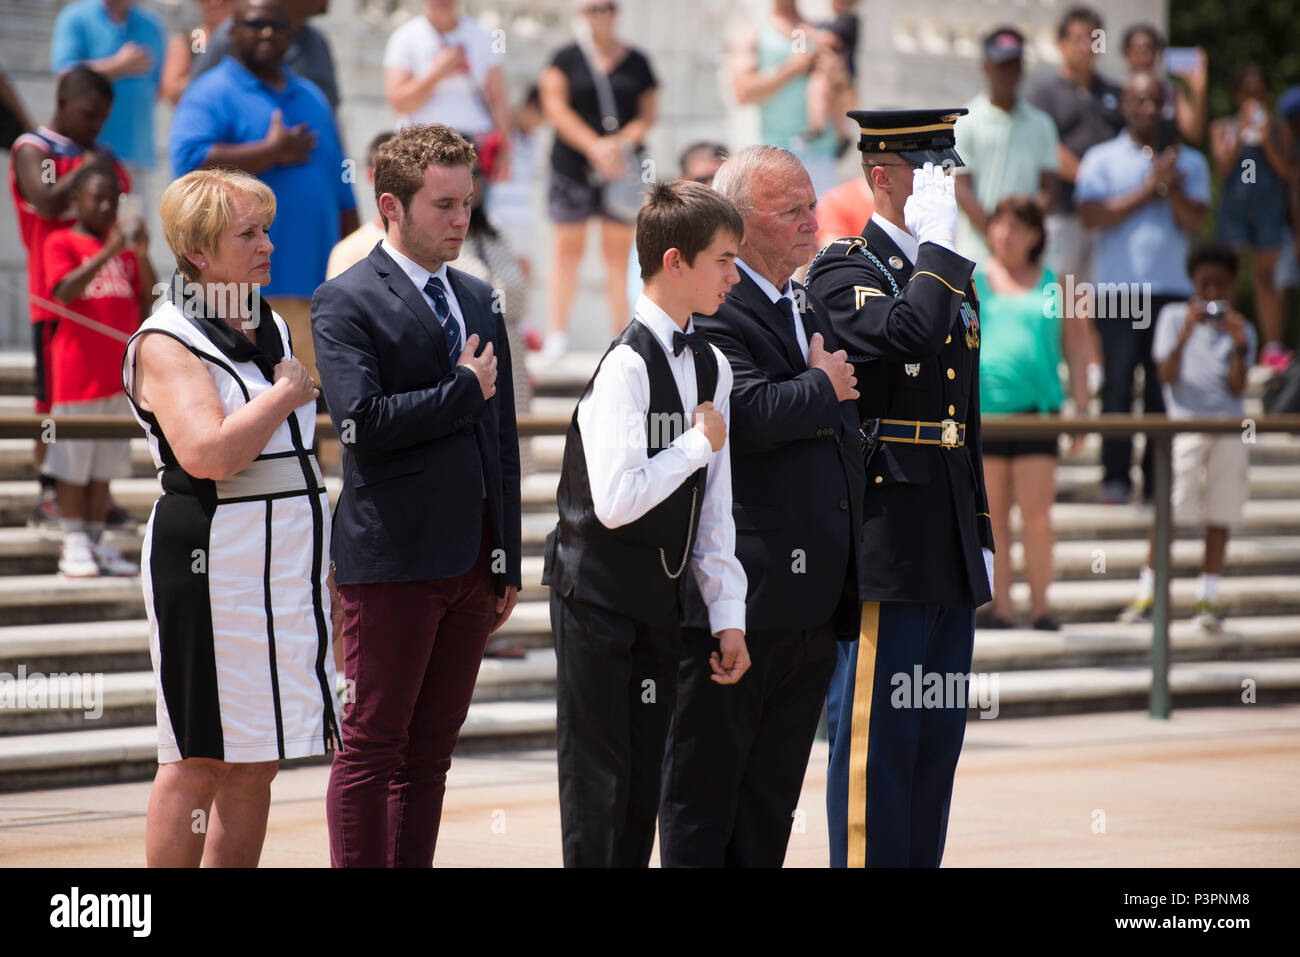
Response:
column 695, row 340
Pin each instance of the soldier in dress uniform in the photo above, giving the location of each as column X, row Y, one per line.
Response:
column 903, row 305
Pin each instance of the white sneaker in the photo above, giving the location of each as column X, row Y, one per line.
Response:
column 111, row 562
column 77, row 559
column 556, row 345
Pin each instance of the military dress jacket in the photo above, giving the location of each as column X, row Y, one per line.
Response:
column 912, row 333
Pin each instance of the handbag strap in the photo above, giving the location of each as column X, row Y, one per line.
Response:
column 604, row 90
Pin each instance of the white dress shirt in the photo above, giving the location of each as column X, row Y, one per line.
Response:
column 626, row 482
column 769, row 290
column 420, row 276
column 905, row 241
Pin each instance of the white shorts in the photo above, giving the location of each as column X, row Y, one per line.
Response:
column 1211, row 479
column 82, row 461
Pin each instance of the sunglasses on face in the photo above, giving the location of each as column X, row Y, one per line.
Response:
column 257, row 25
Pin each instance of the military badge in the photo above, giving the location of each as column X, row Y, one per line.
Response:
column 913, row 369
column 860, row 294
column 972, row 322
column 896, row 262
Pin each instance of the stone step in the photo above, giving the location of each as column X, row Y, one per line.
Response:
column 44, row 599
column 95, row 647
column 137, row 495
column 1071, row 521
column 84, row 699
column 48, row 599
column 103, row 755
column 27, row 551
column 107, row 755
column 123, row 644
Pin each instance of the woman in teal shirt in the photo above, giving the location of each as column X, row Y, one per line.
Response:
column 1020, row 357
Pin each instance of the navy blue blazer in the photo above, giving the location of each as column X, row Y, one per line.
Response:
column 419, row 440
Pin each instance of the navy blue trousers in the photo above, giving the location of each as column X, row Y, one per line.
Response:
column 896, row 712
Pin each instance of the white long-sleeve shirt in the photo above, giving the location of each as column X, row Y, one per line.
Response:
column 626, row 482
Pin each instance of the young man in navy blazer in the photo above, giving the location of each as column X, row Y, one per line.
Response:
column 415, row 368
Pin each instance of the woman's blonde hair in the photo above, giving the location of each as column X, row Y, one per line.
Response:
column 196, row 209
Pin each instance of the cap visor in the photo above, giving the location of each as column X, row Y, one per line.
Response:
column 937, row 157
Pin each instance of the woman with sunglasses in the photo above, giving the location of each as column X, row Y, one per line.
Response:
column 600, row 95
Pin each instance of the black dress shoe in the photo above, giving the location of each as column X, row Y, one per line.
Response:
column 999, row 624
column 1046, row 623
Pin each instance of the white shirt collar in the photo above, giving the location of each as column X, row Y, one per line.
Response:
column 766, row 285
column 417, row 273
column 659, row 322
column 904, row 240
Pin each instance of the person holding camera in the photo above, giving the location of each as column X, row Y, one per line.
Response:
column 1203, row 348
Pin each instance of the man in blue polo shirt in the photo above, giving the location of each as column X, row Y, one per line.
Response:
column 251, row 113
column 125, row 44
column 1145, row 202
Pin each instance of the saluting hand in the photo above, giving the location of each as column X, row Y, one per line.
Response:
column 930, row 213
column 483, row 366
column 836, row 366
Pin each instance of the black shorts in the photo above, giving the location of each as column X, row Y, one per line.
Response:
column 42, row 336
column 573, row 201
column 1011, row 448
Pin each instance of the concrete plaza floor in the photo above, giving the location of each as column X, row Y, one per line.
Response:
column 1211, row 787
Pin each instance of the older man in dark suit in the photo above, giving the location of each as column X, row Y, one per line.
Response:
column 416, row 370
column 736, row 756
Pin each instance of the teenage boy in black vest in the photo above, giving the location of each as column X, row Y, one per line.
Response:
column 645, row 512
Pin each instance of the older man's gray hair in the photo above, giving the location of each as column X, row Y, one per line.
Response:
column 737, row 177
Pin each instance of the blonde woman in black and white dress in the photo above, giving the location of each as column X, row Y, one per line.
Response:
column 235, row 557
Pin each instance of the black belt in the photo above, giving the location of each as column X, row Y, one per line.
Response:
column 947, row 433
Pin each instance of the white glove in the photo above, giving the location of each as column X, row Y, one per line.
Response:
column 930, row 213
column 988, row 566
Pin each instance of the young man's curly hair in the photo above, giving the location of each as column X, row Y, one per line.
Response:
column 401, row 161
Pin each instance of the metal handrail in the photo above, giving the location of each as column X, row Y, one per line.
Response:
column 1159, row 430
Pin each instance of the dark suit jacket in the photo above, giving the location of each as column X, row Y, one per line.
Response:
column 419, row 440
column 926, row 511
column 796, row 466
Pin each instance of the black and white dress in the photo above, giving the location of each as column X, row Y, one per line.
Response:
column 234, row 571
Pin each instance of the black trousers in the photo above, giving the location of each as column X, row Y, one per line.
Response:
column 615, row 684
column 1124, row 348
column 736, row 755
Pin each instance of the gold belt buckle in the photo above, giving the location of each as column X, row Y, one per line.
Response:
column 948, row 438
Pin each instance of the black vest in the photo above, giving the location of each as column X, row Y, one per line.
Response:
column 639, row 569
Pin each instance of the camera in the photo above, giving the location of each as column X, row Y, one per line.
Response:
column 1216, row 309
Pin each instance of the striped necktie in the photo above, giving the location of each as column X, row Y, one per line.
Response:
column 442, row 309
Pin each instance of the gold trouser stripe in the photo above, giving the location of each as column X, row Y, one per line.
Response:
column 864, row 680
column 926, row 272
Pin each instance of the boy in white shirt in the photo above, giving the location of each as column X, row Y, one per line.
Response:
column 645, row 492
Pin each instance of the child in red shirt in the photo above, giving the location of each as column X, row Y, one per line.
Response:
column 43, row 162
column 99, row 269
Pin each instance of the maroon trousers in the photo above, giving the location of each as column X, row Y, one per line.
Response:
column 411, row 655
